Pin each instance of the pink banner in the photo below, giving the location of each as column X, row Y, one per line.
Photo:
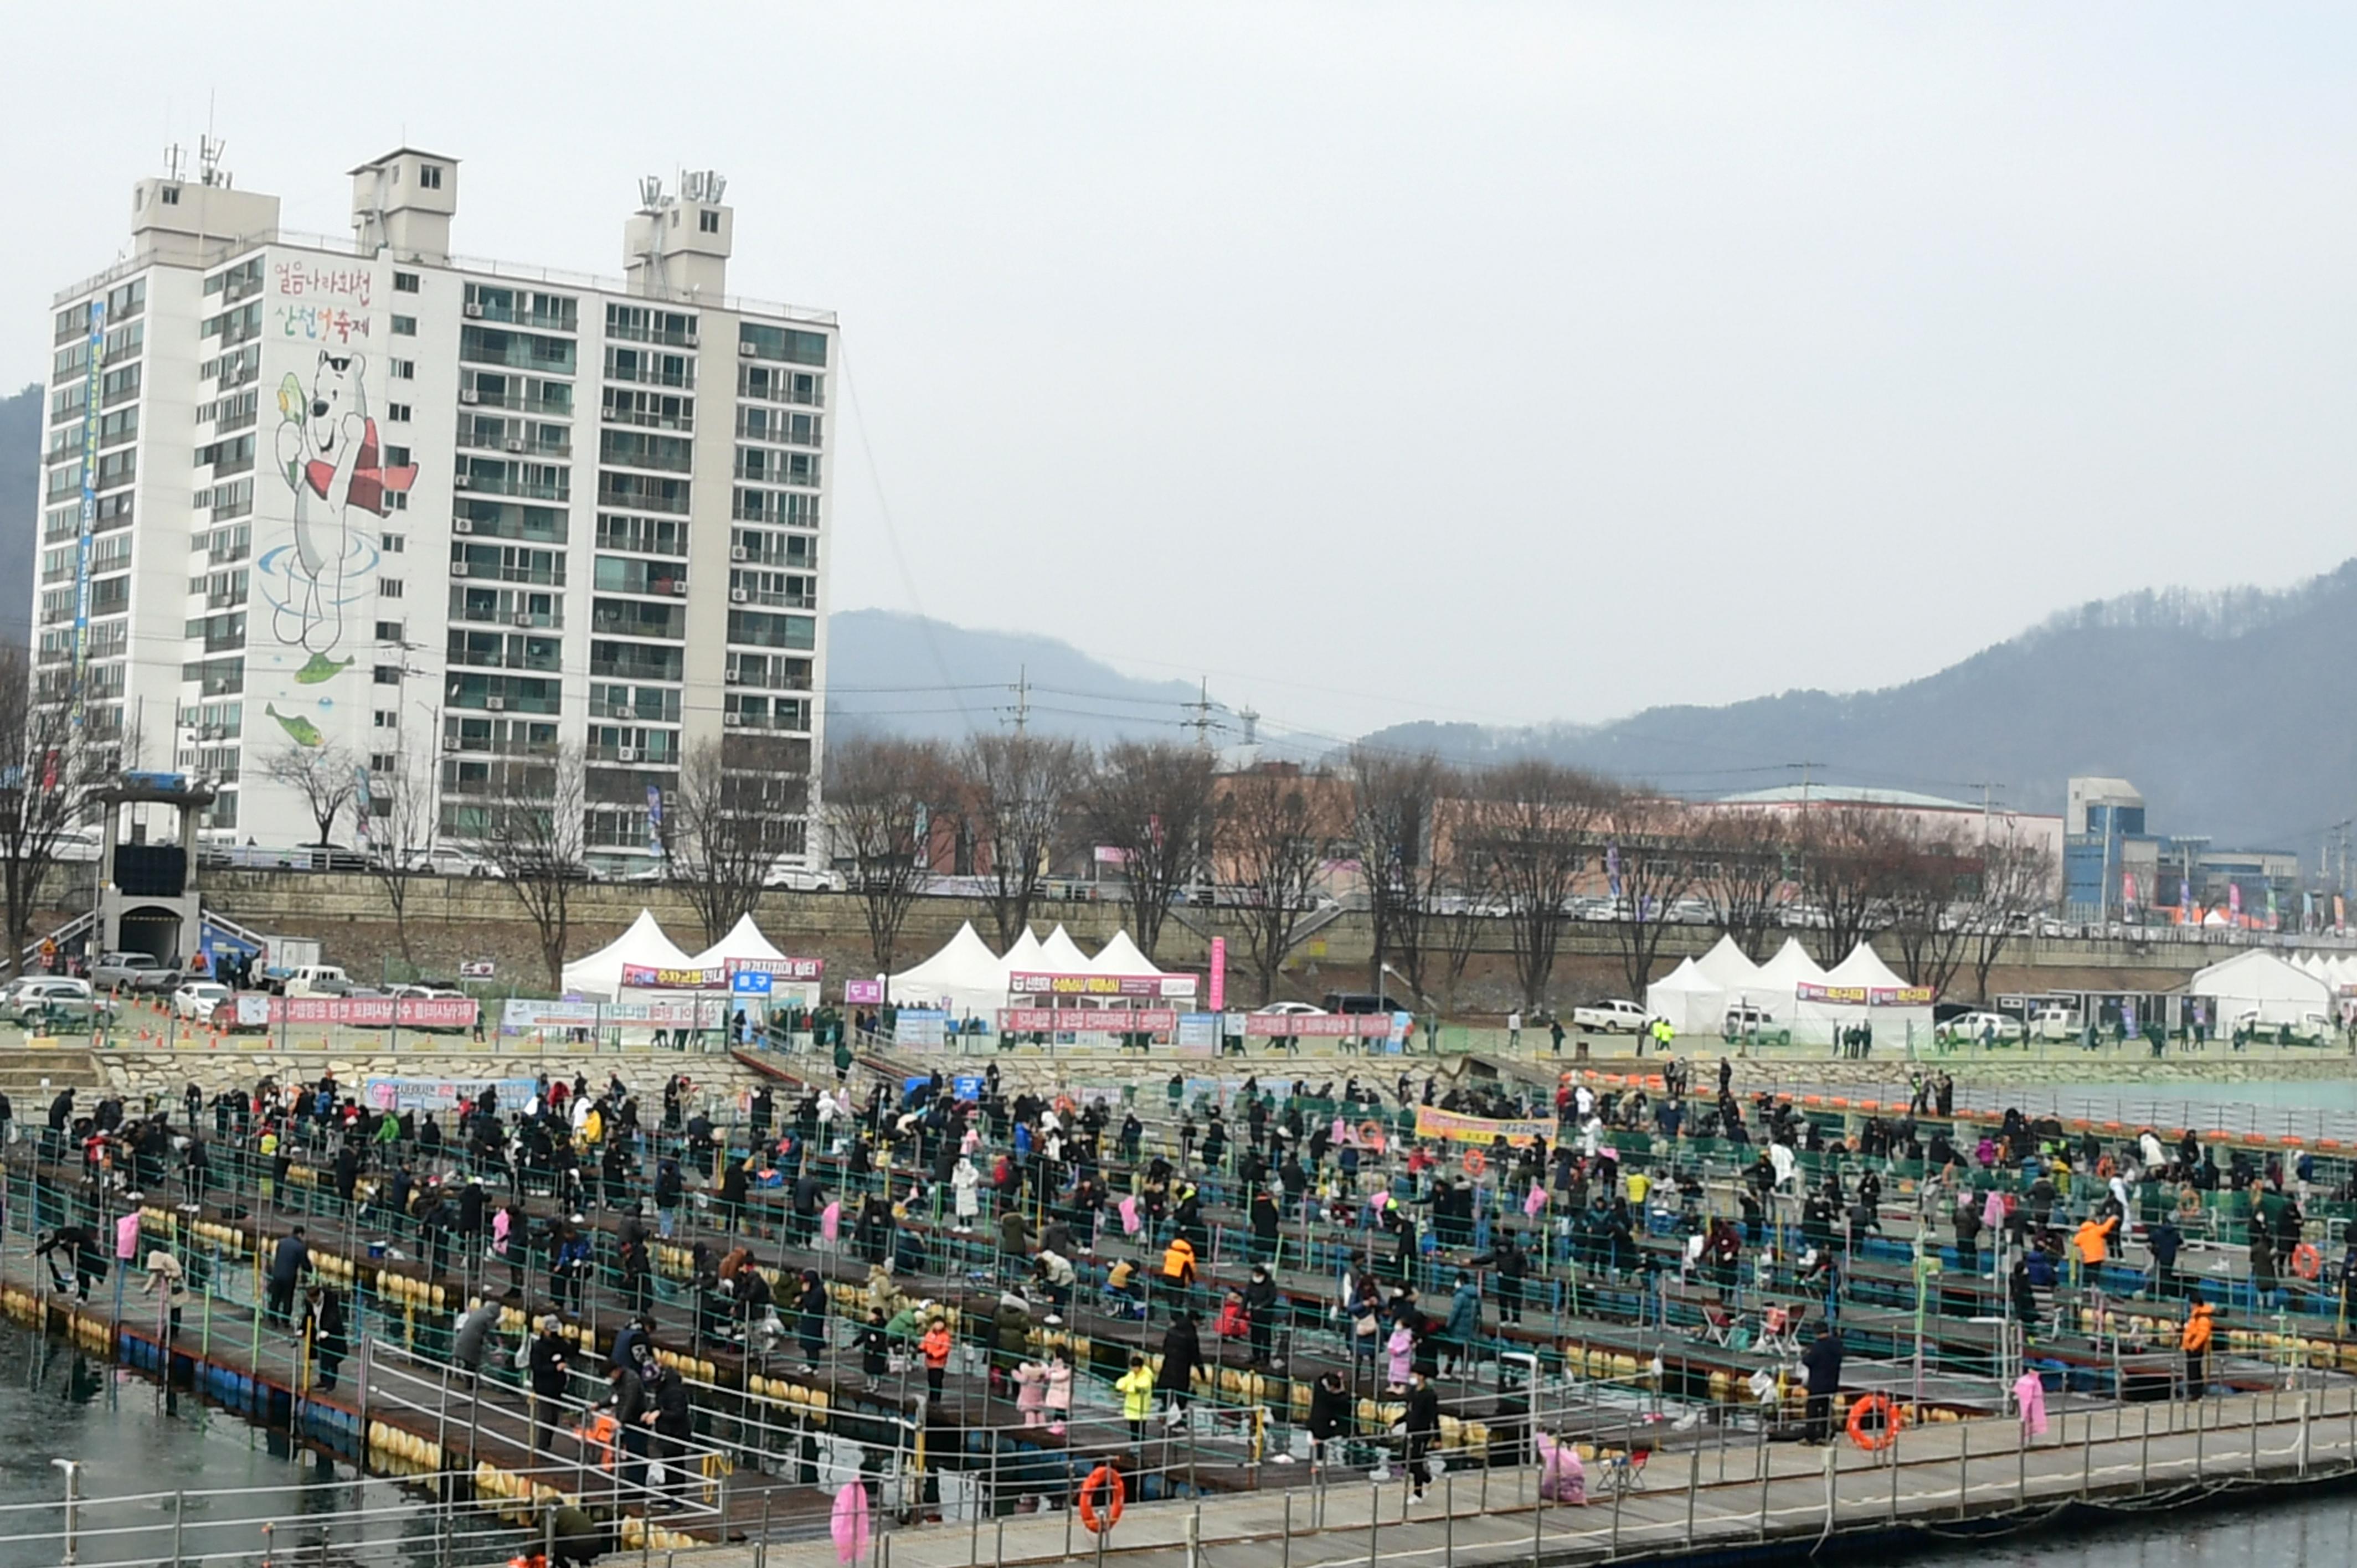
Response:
column 652, row 977
column 1112, row 1020
column 1218, row 996
column 365, row 1012
column 858, row 992
column 783, row 968
column 1037, row 984
column 1324, row 1025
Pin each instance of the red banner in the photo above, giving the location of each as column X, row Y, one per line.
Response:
column 1110, row 1020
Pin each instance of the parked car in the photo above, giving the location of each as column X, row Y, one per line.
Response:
column 1615, row 1017
column 316, row 980
column 801, row 879
column 1974, row 1029
column 29, row 994
column 134, row 971
column 1744, row 1021
column 1290, row 1010
column 2311, row 1029
column 198, row 998
column 2054, row 1023
column 1358, row 1002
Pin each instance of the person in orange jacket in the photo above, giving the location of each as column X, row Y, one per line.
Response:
column 2093, row 1240
column 2195, row 1342
column 935, row 1346
column 1178, row 1270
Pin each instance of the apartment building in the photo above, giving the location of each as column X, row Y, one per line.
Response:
column 463, row 526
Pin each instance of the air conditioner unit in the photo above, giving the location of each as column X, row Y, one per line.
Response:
column 613, row 415
column 626, row 754
column 690, row 341
column 745, row 350
column 462, row 525
column 679, row 587
column 523, row 618
column 469, row 394
column 457, row 568
column 514, row 445
column 738, row 552
column 462, row 481
column 474, row 309
column 496, row 705
column 739, row 596
column 735, row 677
column 732, row 717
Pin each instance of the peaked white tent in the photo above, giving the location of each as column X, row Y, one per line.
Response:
column 599, row 975
column 1689, row 998
column 744, row 941
column 1023, row 958
column 1121, row 956
column 1728, row 965
column 1893, row 1025
column 1865, row 967
column 2277, row 990
column 1062, row 955
column 965, row 977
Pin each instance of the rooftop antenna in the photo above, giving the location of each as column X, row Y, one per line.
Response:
column 175, row 159
column 208, row 157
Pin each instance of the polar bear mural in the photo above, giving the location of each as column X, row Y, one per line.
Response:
column 329, row 454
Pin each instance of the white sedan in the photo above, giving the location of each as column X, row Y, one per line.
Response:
column 1606, row 1017
column 1291, row 1009
column 197, row 998
column 1976, row 1027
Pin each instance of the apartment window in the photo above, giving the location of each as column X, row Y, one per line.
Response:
column 405, row 282
column 405, row 327
column 429, row 177
column 396, row 500
column 171, row 194
column 708, row 222
column 396, row 543
column 387, row 675
column 383, row 762
column 396, row 414
column 387, row 720
column 389, row 631
column 404, row 370
column 388, row 588
column 397, row 456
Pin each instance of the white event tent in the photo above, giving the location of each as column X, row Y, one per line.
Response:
column 2277, row 990
column 1689, row 998
column 1863, row 969
column 965, row 977
column 598, row 976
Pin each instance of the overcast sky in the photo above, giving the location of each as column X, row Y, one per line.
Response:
column 1467, row 361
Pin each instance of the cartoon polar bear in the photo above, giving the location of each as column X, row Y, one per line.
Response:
column 328, row 454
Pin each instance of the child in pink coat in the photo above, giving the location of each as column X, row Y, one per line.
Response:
column 1031, row 1391
column 1401, row 1345
column 1059, row 1393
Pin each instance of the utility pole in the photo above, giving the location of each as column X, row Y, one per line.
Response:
column 1987, row 790
column 1022, row 699
column 1201, row 723
column 1807, row 771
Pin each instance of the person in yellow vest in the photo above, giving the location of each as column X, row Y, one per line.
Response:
column 1135, row 1387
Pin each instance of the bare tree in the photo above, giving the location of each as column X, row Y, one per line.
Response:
column 397, row 821
column 1272, row 830
column 47, row 775
column 720, row 847
column 1648, row 844
column 881, row 796
column 1532, row 823
column 1019, row 792
column 1851, row 863
column 2017, row 886
column 1392, row 806
column 1150, row 802
column 324, row 776
column 1743, row 872
column 1932, row 877
column 534, row 834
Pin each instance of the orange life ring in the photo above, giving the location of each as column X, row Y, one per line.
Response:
column 1475, row 1162
column 1108, row 1479
column 1884, row 1435
column 2306, row 1261
column 1370, row 1133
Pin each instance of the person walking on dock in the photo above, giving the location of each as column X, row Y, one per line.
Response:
column 288, row 1265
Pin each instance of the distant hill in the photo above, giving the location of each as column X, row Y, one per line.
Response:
column 887, row 672
column 20, row 465
column 2228, row 711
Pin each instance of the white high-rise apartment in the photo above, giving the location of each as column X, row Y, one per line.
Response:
column 447, row 518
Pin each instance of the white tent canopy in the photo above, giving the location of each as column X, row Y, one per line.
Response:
column 599, row 975
column 1892, row 1024
column 1864, row 967
column 1024, row 957
column 1062, row 955
column 1689, row 998
column 965, row 977
column 1121, row 956
column 2277, row 990
column 744, row 941
column 1728, row 965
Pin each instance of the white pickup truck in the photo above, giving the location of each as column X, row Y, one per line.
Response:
column 1608, row 1017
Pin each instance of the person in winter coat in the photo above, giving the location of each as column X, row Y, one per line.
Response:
column 1261, row 1310
column 935, row 1348
column 1823, row 1363
column 549, row 1374
column 1423, row 1432
column 874, row 1343
column 1135, row 1387
column 811, row 1322
column 1031, row 1392
column 1329, row 1414
column 1463, row 1331
column 2195, row 1342
column 1182, row 1352
column 1058, row 1388
column 1400, row 1349
column 475, row 1332
column 1178, row 1276
column 965, row 1182
column 1562, row 1477
column 1010, row 1329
